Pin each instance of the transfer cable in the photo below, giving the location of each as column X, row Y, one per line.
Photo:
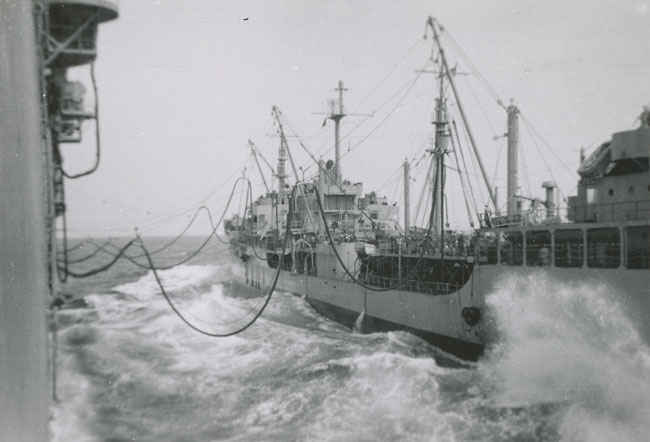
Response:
column 259, row 312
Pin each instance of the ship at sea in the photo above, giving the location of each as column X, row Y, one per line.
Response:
column 345, row 252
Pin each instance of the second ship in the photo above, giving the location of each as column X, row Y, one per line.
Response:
column 346, row 253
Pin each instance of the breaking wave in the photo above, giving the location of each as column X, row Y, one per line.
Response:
column 567, row 365
column 570, row 345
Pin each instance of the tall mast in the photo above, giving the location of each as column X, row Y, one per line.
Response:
column 407, row 196
column 513, row 155
column 278, row 120
column 337, row 115
column 282, row 158
column 257, row 161
column 443, row 58
column 439, row 152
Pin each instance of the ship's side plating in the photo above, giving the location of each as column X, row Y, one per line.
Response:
column 436, row 318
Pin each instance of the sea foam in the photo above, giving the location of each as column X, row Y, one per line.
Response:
column 570, row 345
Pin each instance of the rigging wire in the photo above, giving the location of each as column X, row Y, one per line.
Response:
column 497, row 163
column 526, row 172
column 168, row 217
column 455, row 149
column 546, row 164
column 462, row 156
column 534, row 131
column 491, row 90
column 417, row 42
column 481, row 107
column 386, row 117
column 407, row 85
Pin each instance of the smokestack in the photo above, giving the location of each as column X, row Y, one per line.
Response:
column 513, row 158
column 550, row 198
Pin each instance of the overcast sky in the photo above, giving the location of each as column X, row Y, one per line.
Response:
column 183, row 85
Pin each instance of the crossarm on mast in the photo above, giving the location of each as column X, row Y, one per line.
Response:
column 431, row 22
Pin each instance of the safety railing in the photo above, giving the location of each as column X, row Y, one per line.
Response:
column 600, row 212
column 413, row 285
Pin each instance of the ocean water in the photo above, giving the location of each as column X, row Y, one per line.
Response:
column 567, row 366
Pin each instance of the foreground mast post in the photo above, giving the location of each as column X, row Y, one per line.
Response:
column 24, row 392
column 407, row 197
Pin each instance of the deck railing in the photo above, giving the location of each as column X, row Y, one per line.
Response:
column 601, row 212
column 413, row 285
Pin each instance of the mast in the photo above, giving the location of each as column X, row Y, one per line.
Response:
column 513, row 158
column 443, row 58
column 282, row 158
column 283, row 139
column 407, row 196
column 439, row 152
column 257, row 161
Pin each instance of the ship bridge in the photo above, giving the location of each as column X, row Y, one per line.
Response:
column 615, row 179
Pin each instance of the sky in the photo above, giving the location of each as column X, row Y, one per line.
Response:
column 184, row 85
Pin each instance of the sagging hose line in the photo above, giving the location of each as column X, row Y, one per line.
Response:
column 203, row 244
column 345, row 268
column 336, row 252
column 81, row 243
column 287, row 235
column 98, row 248
column 121, row 253
column 103, row 268
column 249, row 203
column 109, row 243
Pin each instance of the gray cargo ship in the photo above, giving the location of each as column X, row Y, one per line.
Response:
column 346, row 253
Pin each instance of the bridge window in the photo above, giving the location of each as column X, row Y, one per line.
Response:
column 538, row 248
column 512, row 248
column 603, row 248
column 637, row 247
column 592, row 195
column 569, row 248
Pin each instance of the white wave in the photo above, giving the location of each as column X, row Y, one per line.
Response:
column 69, row 415
column 570, row 344
column 387, row 396
column 173, row 279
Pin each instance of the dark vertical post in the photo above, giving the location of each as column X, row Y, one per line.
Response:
column 24, row 392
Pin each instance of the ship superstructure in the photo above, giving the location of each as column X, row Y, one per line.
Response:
column 350, row 258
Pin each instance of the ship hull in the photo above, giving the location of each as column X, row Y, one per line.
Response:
column 436, row 319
